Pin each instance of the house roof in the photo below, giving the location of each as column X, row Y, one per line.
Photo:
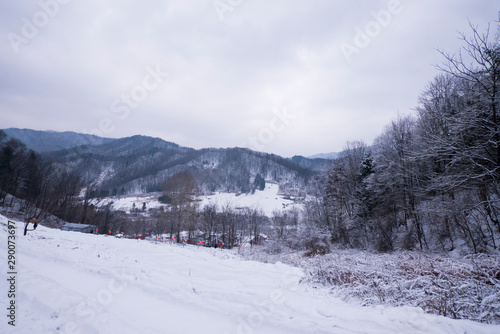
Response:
column 77, row 226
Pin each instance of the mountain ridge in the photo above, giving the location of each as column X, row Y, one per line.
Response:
column 328, row 156
column 46, row 141
column 141, row 164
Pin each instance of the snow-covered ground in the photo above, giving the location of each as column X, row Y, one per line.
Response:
column 267, row 200
column 69, row 282
column 126, row 203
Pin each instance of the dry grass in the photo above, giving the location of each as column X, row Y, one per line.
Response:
column 467, row 288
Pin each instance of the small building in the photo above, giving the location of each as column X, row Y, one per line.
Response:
column 84, row 228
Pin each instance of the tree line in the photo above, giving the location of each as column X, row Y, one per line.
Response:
column 214, row 224
column 35, row 187
column 429, row 181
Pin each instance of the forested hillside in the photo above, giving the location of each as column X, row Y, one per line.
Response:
column 142, row 164
column 47, row 141
column 432, row 179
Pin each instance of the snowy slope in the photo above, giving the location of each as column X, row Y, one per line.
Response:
column 70, row 282
column 267, row 200
column 127, row 203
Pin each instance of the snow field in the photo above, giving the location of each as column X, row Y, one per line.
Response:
column 126, row 203
column 70, row 282
column 267, row 200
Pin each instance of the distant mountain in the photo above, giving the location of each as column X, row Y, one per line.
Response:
column 46, row 141
column 330, row 156
column 141, row 164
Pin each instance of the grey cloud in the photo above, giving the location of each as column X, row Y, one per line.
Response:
column 226, row 77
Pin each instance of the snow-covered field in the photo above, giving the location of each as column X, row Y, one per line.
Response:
column 126, row 203
column 69, row 282
column 267, row 200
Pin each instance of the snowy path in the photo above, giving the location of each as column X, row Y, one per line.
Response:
column 75, row 283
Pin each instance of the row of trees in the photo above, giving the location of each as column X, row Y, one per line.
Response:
column 36, row 187
column 429, row 181
column 213, row 223
column 40, row 190
column 25, row 175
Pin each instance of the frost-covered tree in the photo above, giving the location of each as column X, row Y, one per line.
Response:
column 394, row 186
column 259, row 183
column 342, row 196
column 428, row 180
column 477, row 124
column 179, row 191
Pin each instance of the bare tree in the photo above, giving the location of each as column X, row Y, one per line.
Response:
column 209, row 216
column 179, row 192
column 477, row 66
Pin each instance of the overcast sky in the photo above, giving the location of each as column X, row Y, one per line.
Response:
column 281, row 76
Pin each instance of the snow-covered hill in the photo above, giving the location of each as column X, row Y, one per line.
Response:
column 267, row 200
column 69, row 282
column 47, row 141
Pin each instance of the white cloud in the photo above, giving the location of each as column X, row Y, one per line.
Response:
column 226, row 77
